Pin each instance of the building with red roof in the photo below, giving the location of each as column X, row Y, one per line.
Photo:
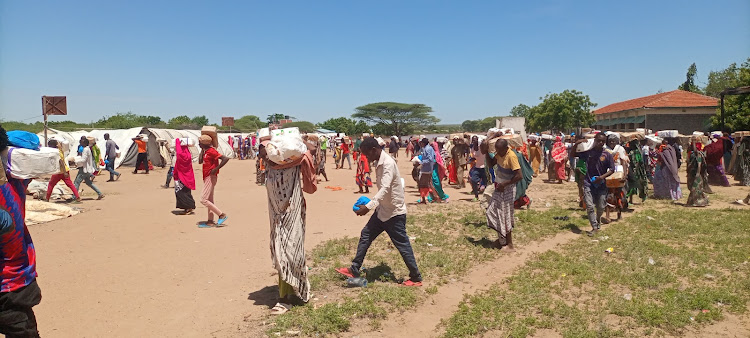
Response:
column 676, row 110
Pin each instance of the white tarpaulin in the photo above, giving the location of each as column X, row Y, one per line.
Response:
column 129, row 151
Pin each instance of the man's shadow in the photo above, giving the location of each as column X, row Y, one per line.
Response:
column 267, row 296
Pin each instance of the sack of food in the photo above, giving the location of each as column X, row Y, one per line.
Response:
column 294, row 131
column 211, row 131
column 285, row 149
column 514, row 140
column 26, row 163
column 586, row 145
column 667, row 133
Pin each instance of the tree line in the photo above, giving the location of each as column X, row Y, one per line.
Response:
column 737, row 107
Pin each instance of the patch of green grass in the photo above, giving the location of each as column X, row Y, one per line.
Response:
column 700, row 269
column 448, row 240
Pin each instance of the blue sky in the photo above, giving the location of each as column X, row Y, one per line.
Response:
column 320, row 59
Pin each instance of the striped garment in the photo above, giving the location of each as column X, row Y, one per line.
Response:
column 17, row 255
column 287, row 211
column 500, row 212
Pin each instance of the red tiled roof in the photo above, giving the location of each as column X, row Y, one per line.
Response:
column 675, row 98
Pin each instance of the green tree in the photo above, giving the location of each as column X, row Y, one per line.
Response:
column 520, row 110
column 736, row 107
column 179, row 122
column 273, row 118
column 249, row 123
column 479, row 125
column 199, row 121
column 339, row 125
column 722, row 79
column 304, row 126
column 561, row 112
column 470, row 125
column 689, row 84
column 402, row 118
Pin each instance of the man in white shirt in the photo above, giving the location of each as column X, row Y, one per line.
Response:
column 389, row 216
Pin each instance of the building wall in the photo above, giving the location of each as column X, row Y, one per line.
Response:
column 685, row 124
column 685, row 120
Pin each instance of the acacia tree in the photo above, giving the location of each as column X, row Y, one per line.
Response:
column 345, row 125
column 248, row 123
column 400, row 118
column 561, row 111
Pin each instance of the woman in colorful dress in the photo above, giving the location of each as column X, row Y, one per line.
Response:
column 666, row 180
column 559, row 156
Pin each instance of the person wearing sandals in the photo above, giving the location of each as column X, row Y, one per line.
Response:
column 287, row 212
column 184, row 178
column 500, row 212
column 210, row 157
column 389, row 215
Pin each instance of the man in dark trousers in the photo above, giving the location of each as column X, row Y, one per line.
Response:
column 142, row 154
column 111, row 154
column 389, row 216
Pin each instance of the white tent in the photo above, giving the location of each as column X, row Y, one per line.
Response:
column 129, row 151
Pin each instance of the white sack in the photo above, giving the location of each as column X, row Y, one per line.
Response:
column 26, row 163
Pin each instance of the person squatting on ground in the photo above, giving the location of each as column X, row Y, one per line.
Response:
column 86, row 171
column 210, row 157
column 599, row 165
column 110, row 150
column 389, row 216
column 500, row 212
column 287, row 211
column 19, row 291
column 63, row 175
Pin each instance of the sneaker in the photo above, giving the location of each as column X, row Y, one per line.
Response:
column 411, row 283
column 100, row 197
column 346, row 272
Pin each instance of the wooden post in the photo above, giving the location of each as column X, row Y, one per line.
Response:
column 722, row 112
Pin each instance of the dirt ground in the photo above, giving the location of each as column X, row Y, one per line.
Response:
column 127, row 266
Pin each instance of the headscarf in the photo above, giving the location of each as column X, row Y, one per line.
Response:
column 559, row 153
column 668, row 158
column 308, row 170
column 714, row 152
column 183, row 164
column 442, row 171
column 205, row 140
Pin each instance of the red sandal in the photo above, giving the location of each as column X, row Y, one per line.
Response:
column 346, row 272
column 410, row 283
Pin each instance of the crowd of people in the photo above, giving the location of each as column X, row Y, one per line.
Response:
column 609, row 169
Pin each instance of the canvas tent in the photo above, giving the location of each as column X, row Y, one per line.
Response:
column 128, row 149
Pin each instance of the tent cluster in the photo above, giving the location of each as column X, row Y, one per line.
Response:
column 128, row 149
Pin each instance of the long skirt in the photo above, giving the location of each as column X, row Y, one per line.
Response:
column 697, row 197
column 716, row 175
column 438, row 185
column 665, row 187
column 500, row 212
column 183, row 195
column 287, row 211
column 452, row 176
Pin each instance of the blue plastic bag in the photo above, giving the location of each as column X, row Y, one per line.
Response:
column 360, row 201
column 23, row 139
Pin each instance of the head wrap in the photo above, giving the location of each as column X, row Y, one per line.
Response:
column 205, row 140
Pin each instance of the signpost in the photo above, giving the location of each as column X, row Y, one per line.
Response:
column 227, row 122
column 53, row 105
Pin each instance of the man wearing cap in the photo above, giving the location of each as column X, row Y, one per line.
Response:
column 142, row 154
column 209, row 157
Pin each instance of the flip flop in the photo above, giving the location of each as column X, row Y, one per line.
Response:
column 221, row 220
column 280, row 309
column 410, row 283
column 346, row 272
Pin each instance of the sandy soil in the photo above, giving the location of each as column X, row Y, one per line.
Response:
column 128, row 266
